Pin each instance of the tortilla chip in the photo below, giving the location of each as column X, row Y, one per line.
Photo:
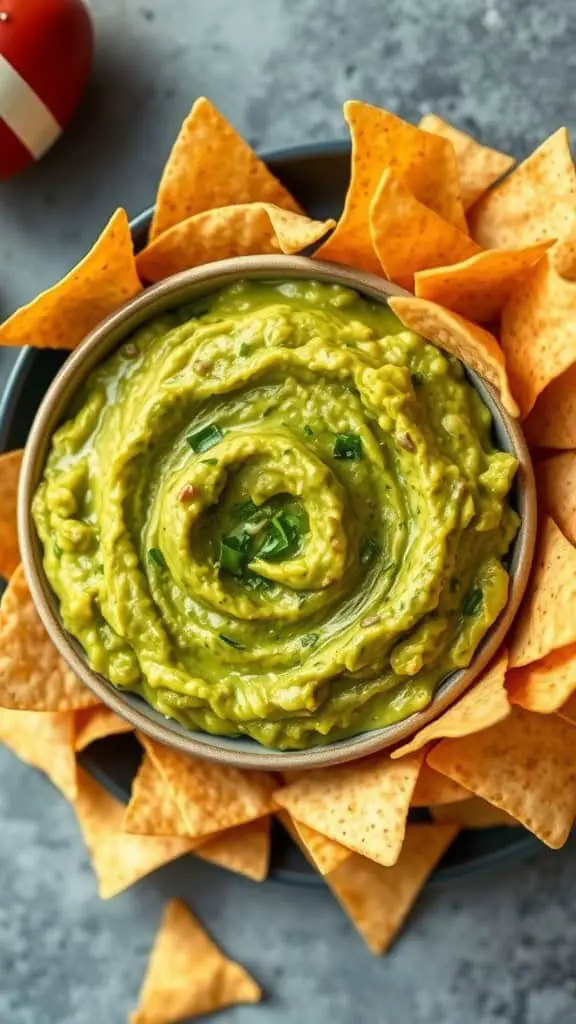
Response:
column 211, row 166
column 433, row 788
column 10, row 464
column 546, row 620
column 96, row 724
column 211, row 797
column 472, row 813
column 470, row 343
column 479, row 167
column 323, row 853
column 187, row 975
column 33, row 676
column 545, row 685
column 537, row 201
column 538, row 329
column 556, row 485
column 249, row 230
column 244, row 849
column 407, row 236
column 363, row 805
column 119, row 860
column 552, row 422
column 524, row 765
column 376, row 899
column 479, row 287
column 424, row 163
column 102, row 282
column 568, row 710
column 483, row 705
column 45, row 740
column 152, row 810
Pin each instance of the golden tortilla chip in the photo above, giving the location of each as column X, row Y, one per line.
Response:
column 546, row 620
column 472, row 813
column 211, row 166
column 323, row 853
column 10, row 463
column 45, row 740
column 568, row 710
column 525, row 765
column 433, row 788
column 545, row 685
column 96, row 724
column 33, row 676
column 537, row 201
column 538, row 328
column 119, row 860
column 187, row 975
column 556, row 484
column 211, row 797
column 552, row 422
column 246, row 230
column 470, row 343
column 363, row 805
column 244, row 849
column 424, row 163
column 377, row 899
column 479, row 287
column 479, row 167
column 102, row 282
column 152, row 810
column 407, row 236
column 483, row 705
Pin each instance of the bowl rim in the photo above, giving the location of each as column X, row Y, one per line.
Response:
column 97, row 345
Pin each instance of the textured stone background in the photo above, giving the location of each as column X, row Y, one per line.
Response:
column 493, row 950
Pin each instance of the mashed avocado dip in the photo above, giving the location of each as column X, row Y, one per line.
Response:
column 278, row 513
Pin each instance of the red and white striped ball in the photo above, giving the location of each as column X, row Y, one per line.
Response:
column 46, row 49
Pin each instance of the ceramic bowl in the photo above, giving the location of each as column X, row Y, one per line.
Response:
column 242, row 752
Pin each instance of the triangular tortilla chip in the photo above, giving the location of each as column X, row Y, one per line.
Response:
column 568, row 710
column 537, row 201
column 479, row 287
column 10, row 463
column 424, row 163
column 33, row 676
column 323, row 853
column 474, row 345
column 545, row 685
column 246, row 230
column 433, row 788
column 152, row 810
column 483, row 705
column 104, row 280
column 478, row 166
column 556, row 485
column 119, row 860
column 472, row 813
column 187, row 975
column 525, row 765
column 552, row 422
column 377, row 899
column 211, row 166
column 44, row 739
column 363, row 805
column 407, row 236
column 245, row 849
column 546, row 620
column 538, row 329
column 96, row 724
column 211, row 797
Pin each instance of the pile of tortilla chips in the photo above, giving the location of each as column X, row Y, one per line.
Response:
column 490, row 255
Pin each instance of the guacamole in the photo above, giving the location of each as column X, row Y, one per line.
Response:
column 278, row 513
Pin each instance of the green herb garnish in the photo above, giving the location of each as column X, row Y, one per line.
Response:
column 275, row 539
column 232, row 558
column 209, row 462
column 472, row 603
column 369, row 549
column 244, row 349
column 156, row 556
column 57, row 550
column 309, row 639
column 232, row 642
column 308, row 430
column 348, row 446
column 205, row 438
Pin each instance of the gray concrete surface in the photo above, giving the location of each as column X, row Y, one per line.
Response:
column 499, row 949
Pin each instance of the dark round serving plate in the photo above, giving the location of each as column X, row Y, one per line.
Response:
column 317, row 175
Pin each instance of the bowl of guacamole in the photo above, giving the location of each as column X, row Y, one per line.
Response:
column 267, row 522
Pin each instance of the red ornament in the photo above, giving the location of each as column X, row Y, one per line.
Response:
column 46, row 49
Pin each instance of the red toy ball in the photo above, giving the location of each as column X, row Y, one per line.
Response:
column 46, row 49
